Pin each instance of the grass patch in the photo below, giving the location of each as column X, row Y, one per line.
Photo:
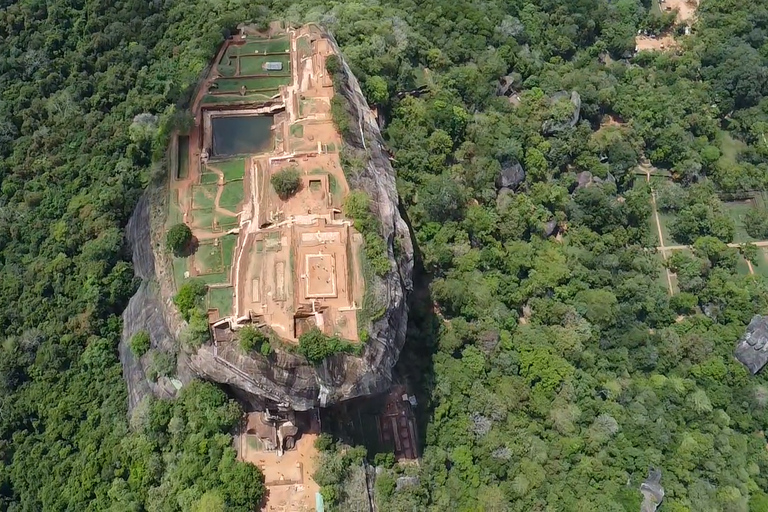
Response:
column 208, row 258
column 221, row 299
column 217, row 278
column 741, row 265
column 232, row 194
column 372, row 308
column 335, row 188
column 737, row 210
column 297, row 130
column 661, row 276
column 224, row 222
column 263, row 46
column 761, row 267
column 232, row 169
column 255, row 64
column 303, row 46
column 179, row 269
column 228, row 244
column 203, row 196
column 209, row 178
column 174, row 212
column 665, row 219
column 729, row 147
column 236, row 99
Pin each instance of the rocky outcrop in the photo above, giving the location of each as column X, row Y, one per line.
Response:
column 653, row 492
column 552, row 126
column 146, row 311
column 511, row 176
column 283, row 378
column 752, row 349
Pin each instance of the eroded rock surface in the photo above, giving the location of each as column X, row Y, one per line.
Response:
column 282, row 377
column 653, row 492
column 752, row 349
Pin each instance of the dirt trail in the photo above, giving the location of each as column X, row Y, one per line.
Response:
column 647, row 169
column 219, row 191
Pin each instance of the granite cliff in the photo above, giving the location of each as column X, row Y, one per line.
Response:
column 281, row 378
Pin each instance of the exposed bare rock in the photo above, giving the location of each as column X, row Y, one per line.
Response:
column 146, row 311
column 653, row 492
column 283, row 378
column 752, row 349
column 550, row 228
column 552, row 126
column 511, row 176
column 509, row 84
column 584, row 179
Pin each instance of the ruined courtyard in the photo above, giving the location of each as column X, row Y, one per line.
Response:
column 288, row 264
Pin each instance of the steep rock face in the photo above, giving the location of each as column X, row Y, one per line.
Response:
column 284, row 378
column 752, row 349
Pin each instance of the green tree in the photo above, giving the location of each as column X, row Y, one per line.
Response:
column 190, row 296
column 140, row 343
column 286, row 182
column 178, row 238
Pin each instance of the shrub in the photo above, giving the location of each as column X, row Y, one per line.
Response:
column 357, row 206
column 316, row 346
column 189, row 297
column 178, row 238
column 252, row 339
column 140, row 343
column 161, row 364
column 333, row 64
column 340, row 116
column 286, row 182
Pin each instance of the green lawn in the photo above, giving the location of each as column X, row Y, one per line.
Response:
column 232, row 195
column 208, row 178
column 303, row 46
column 741, row 265
column 235, row 99
column 232, row 169
column 665, row 219
column 174, row 211
column 762, row 262
column 253, row 46
column 203, row 196
column 661, row 276
column 221, row 299
column 228, row 244
column 729, row 147
column 208, row 258
column 254, row 65
column 225, row 222
column 297, row 130
column 179, row 268
column 219, row 278
column 737, row 210
column 202, row 219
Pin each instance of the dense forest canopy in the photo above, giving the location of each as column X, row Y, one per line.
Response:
column 553, row 371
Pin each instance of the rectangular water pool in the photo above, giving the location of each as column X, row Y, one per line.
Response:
column 241, row 135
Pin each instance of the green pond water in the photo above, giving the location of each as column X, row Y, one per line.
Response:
column 241, row 135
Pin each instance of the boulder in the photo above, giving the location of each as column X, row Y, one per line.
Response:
column 584, row 179
column 509, row 84
column 511, row 176
column 552, row 126
column 752, row 348
column 653, row 492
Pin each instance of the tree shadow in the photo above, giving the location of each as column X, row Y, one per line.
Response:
column 415, row 366
column 188, row 250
